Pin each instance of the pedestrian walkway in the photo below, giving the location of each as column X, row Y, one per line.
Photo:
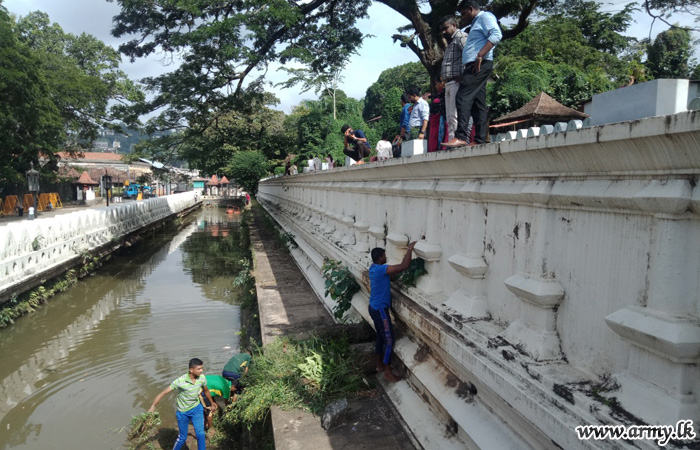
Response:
column 67, row 209
column 288, row 306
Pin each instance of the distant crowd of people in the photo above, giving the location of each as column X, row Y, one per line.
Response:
column 456, row 115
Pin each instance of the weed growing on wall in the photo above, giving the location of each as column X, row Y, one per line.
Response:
column 29, row 301
column 340, row 285
column 409, row 276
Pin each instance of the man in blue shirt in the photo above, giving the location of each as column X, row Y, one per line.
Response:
column 403, row 119
column 477, row 57
column 358, row 140
column 418, row 122
column 380, row 276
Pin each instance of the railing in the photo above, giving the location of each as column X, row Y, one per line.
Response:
column 28, row 248
column 576, row 253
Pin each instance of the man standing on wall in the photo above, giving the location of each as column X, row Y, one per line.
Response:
column 477, row 57
column 452, row 69
column 380, row 276
column 189, row 409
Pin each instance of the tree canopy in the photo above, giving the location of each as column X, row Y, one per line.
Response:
column 55, row 90
column 246, row 168
column 227, row 45
column 669, row 56
column 29, row 121
column 401, row 77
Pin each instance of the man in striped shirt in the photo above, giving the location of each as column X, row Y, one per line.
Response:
column 452, row 69
column 189, row 409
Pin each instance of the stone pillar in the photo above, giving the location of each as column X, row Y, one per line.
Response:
column 539, row 292
column 396, row 236
column 470, row 299
column 376, row 231
column 664, row 334
column 349, row 233
column 430, row 250
column 362, row 224
column 535, row 329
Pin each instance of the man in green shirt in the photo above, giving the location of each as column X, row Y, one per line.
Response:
column 189, row 409
column 218, row 387
column 237, row 366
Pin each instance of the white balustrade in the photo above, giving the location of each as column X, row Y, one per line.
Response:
column 28, row 248
column 575, row 256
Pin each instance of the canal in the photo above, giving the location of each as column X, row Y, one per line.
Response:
column 74, row 372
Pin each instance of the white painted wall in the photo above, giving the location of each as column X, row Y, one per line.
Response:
column 652, row 98
column 60, row 238
column 582, row 248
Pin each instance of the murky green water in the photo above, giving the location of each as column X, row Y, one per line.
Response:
column 75, row 372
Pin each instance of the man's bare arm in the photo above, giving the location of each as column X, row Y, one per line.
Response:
column 159, row 397
column 211, row 400
column 398, row 268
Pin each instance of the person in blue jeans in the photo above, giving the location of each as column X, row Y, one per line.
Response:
column 380, row 276
column 189, row 409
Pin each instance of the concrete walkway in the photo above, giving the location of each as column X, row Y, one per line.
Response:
column 67, row 209
column 289, row 307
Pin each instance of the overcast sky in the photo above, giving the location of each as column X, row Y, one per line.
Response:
column 376, row 54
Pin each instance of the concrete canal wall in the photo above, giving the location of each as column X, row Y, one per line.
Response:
column 33, row 251
column 562, row 284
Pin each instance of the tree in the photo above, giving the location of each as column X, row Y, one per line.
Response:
column 595, row 56
column 30, row 123
column 221, row 43
column 521, row 80
column 325, row 81
column 663, row 9
column 669, row 54
column 247, row 168
column 83, row 76
column 401, row 77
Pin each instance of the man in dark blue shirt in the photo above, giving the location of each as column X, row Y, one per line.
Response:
column 380, row 276
column 359, row 141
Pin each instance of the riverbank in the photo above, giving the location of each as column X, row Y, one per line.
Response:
column 288, row 307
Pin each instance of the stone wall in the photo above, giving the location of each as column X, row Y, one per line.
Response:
column 31, row 249
column 562, row 283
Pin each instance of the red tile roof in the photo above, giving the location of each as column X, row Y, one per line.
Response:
column 85, row 179
column 224, row 180
column 214, row 181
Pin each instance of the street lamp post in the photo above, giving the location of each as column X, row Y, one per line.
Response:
column 107, row 180
column 33, row 182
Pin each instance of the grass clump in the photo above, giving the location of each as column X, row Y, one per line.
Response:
column 295, row 374
column 143, row 426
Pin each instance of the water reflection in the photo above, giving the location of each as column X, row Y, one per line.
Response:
column 75, row 371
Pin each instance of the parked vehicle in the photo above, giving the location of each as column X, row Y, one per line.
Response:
column 132, row 191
